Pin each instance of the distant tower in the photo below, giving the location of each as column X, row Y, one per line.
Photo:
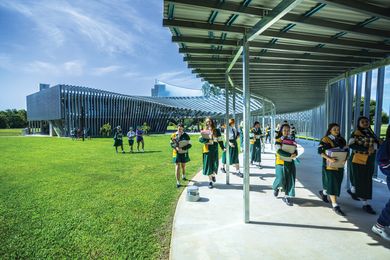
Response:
column 159, row 89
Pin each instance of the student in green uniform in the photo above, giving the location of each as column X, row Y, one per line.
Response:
column 118, row 139
column 233, row 148
column 331, row 177
column 363, row 143
column 285, row 172
column 255, row 144
column 210, row 138
column 180, row 142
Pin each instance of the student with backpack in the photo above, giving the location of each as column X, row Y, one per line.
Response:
column 383, row 159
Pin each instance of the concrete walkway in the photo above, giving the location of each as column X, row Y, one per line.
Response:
column 213, row 228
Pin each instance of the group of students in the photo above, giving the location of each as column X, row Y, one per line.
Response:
column 363, row 144
column 212, row 139
column 131, row 135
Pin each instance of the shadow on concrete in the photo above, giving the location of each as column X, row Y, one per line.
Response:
column 309, row 175
column 302, row 226
column 203, row 199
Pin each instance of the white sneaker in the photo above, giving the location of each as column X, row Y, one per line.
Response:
column 380, row 232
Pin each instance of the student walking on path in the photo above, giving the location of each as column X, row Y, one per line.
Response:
column 255, row 144
column 118, row 139
column 363, row 143
column 180, row 142
column 383, row 159
column 210, row 138
column 285, row 172
column 231, row 143
column 332, row 176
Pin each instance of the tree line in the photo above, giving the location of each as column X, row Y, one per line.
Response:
column 12, row 118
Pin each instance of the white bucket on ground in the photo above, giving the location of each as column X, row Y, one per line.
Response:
column 193, row 193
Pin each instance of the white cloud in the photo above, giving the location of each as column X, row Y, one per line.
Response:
column 70, row 68
column 110, row 27
column 105, row 70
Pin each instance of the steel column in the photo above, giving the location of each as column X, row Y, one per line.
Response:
column 367, row 94
column 246, row 115
column 358, row 97
column 227, row 129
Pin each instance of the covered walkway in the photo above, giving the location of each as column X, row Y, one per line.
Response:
column 213, row 228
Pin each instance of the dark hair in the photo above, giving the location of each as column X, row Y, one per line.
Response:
column 331, row 125
column 255, row 123
column 280, row 133
column 360, row 119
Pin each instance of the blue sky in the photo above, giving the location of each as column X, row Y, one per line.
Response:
column 119, row 46
column 114, row 45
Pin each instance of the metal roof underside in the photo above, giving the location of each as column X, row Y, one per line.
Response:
column 291, row 61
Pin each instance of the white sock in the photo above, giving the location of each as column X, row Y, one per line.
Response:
column 353, row 190
column 334, row 205
column 324, row 192
column 177, row 182
column 365, row 202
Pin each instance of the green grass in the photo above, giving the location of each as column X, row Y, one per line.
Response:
column 11, row 132
column 71, row 199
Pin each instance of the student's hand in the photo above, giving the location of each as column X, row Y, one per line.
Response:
column 293, row 156
column 177, row 148
column 332, row 160
column 371, row 150
column 232, row 145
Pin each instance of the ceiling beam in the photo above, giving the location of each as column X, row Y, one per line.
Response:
column 281, row 47
column 277, row 34
column 236, row 8
column 254, row 62
column 283, row 72
column 278, row 55
column 360, row 7
column 264, row 67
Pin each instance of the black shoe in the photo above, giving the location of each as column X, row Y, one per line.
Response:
column 287, row 201
column 276, row 192
column 213, row 179
column 184, row 178
column 353, row 195
column 369, row 209
column 178, row 185
column 260, row 167
column 211, row 185
column 240, row 175
column 323, row 196
column 338, row 211
column 223, row 170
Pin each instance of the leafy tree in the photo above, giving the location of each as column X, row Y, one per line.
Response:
column 146, row 128
column 385, row 117
column 105, row 130
column 3, row 121
column 211, row 90
column 12, row 118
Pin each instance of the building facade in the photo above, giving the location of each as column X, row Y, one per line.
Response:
column 62, row 108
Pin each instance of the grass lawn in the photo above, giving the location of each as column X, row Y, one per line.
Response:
column 62, row 198
column 11, row 132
